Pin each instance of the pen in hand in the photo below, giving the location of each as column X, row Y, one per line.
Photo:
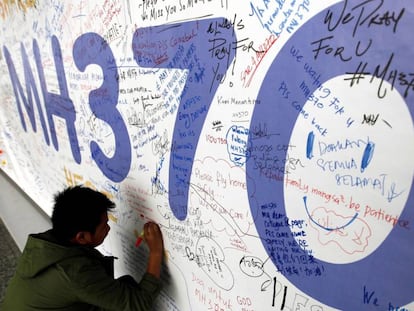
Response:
column 140, row 238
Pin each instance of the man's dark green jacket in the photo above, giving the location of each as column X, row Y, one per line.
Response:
column 52, row 276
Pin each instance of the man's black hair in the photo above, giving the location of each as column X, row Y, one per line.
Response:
column 78, row 209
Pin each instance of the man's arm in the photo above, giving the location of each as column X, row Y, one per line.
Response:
column 153, row 237
column 97, row 288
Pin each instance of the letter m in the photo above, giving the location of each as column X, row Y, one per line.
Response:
column 31, row 91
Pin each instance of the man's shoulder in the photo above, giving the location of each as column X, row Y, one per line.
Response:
column 86, row 264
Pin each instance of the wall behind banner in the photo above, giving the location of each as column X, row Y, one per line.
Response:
column 271, row 140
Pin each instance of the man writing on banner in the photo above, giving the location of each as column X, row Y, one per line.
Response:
column 60, row 269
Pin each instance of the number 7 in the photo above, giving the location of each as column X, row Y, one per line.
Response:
column 205, row 49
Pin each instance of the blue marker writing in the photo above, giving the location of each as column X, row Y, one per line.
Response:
column 367, row 156
column 309, row 145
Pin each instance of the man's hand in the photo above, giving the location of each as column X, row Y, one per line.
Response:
column 153, row 238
